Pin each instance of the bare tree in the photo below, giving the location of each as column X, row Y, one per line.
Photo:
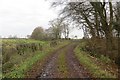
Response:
column 56, row 26
column 65, row 29
column 100, row 8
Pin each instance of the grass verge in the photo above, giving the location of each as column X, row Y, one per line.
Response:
column 87, row 62
column 19, row 72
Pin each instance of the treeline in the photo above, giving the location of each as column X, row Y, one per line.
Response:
column 100, row 22
column 58, row 28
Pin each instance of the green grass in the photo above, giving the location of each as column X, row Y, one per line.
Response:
column 105, row 59
column 95, row 70
column 19, row 41
column 10, row 57
column 62, row 64
column 19, row 71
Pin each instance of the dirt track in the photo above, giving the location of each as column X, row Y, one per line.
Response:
column 50, row 67
column 76, row 70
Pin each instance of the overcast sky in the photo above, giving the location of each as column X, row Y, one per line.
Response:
column 20, row 17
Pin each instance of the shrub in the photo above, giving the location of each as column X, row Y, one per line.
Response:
column 105, row 59
column 7, row 66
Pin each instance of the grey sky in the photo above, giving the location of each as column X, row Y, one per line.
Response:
column 20, row 17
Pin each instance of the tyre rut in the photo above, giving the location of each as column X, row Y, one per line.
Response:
column 75, row 69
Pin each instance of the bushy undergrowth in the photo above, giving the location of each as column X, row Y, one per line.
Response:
column 97, row 48
column 87, row 62
column 105, row 59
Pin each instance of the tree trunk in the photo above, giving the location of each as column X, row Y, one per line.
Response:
column 109, row 40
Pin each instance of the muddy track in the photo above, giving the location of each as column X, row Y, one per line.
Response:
column 74, row 68
column 50, row 68
column 37, row 69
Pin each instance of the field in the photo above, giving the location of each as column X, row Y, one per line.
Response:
column 19, row 54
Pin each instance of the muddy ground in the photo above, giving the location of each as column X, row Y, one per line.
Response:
column 49, row 67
